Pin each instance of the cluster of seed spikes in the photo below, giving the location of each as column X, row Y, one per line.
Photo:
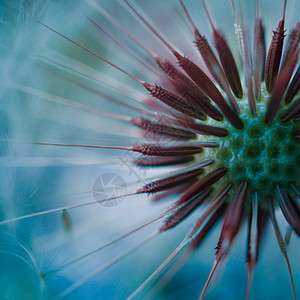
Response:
column 239, row 143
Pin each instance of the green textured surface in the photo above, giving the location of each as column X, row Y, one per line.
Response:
column 263, row 155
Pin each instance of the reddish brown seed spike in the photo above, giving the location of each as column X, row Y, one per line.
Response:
column 185, row 210
column 173, row 101
column 162, row 161
column 226, row 58
column 281, row 85
column 215, row 203
column 231, row 226
column 292, row 112
column 188, row 90
column 173, row 191
column 228, row 63
column 292, row 43
column 214, row 67
column 289, row 208
column 233, row 217
column 196, row 242
column 202, row 184
column 294, row 87
column 259, row 55
column 194, row 99
column 176, row 75
column 274, row 54
column 206, row 52
column 180, row 150
column 162, row 129
column 169, row 182
column 210, row 130
column 209, row 57
column 205, row 84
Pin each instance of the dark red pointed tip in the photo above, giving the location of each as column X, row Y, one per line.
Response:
column 228, row 63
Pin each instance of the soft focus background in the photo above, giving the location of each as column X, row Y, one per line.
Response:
column 37, row 66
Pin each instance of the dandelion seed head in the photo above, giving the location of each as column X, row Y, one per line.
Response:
column 177, row 117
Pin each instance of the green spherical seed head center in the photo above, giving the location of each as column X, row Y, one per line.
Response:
column 262, row 155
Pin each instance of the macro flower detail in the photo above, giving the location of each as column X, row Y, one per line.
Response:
column 215, row 124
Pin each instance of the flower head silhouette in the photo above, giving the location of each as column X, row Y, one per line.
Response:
column 124, row 121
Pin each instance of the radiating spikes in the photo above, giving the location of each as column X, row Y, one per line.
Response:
column 178, row 76
column 294, row 87
column 186, row 240
column 196, row 242
column 228, row 64
column 231, row 226
column 216, row 203
column 188, row 90
column 174, row 101
column 177, row 150
column 292, row 112
column 289, row 208
column 208, row 87
column 292, row 44
column 280, row 87
column 202, row 184
column 169, row 182
column 226, row 58
column 209, row 130
column 280, row 241
column 162, row 161
column 259, row 53
column 242, row 35
column 146, row 149
column 197, row 100
column 274, row 54
column 163, row 129
column 233, row 218
column 184, row 211
column 214, row 68
column 210, row 60
column 173, row 191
